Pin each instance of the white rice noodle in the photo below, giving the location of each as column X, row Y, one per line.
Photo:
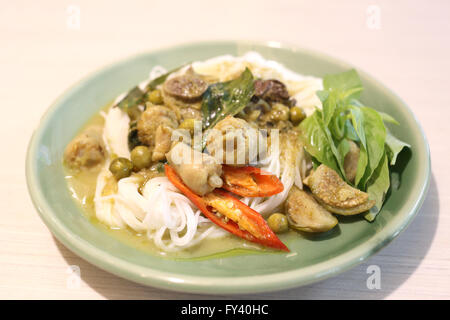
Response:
column 288, row 173
column 166, row 216
column 104, row 205
column 115, row 132
column 170, row 213
column 304, row 92
column 298, row 169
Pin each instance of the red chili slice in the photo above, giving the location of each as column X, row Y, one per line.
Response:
column 250, row 181
column 222, row 201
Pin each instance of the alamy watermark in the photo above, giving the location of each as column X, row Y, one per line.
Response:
column 73, row 281
column 373, row 19
column 73, row 21
column 374, row 280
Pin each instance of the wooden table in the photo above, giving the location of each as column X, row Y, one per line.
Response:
column 44, row 50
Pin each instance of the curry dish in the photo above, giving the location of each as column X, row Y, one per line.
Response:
column 232, row 152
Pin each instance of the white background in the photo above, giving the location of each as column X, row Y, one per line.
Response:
column 40, row 57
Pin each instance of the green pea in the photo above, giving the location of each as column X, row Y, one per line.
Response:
column 279, row 112
column 155, row 97
column 278, row 223
column 121, row 168
column 141, row 157
column 297, row 115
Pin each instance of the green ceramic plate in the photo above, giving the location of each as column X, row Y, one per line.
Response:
column 311, row 259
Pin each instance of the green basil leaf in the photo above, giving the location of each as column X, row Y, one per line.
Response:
column 343, row 148
column 375, row 133
column 323, row 95
column 377, row 187
column 337, row 125
column 133, row 98
column 329, row 108
column 350, row 132
column 362, row 165
column 136, row 96
column 337, row 154
column 226, row 98
column 358, row 125
column 357, row 118
column 388, row 118
column 394, row 147
column 348, row 84
column 343, row 118
column 372, row 134
column 316, row 141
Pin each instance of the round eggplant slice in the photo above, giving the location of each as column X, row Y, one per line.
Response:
column 328, row 187
column 335, row 194
column 271, row 90
column 305, row 214
column 186, row 87
column 350, row 211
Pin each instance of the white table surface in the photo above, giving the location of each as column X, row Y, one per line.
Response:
column 40, row 56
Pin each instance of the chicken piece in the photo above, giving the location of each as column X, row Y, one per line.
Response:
column 351, row 161
column 234, row 142
column 199, row 171
column 190, row 113
column 305, row 214
column 334, row 194
column 86, row 150
column 155, row 129
column 183, row 110
column 162, row 142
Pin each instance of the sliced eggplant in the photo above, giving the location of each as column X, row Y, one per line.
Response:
column 188, row 88
column 337, row 196
column 348, row 212
column 351, row 161
column 271, row 90
column 305, row 214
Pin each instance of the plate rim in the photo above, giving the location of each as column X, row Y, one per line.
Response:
column 220, row 285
